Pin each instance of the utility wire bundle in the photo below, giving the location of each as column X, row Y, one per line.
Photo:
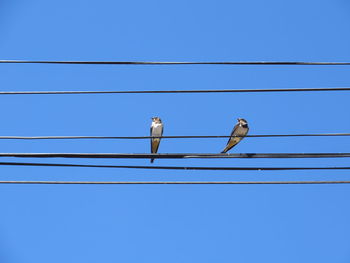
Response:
column 239, row 132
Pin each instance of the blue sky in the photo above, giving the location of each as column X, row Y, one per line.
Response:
column 189, row 223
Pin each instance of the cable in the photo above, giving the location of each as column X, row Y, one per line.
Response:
column 172, row 167
column 174, row 155
column 167, row 137
column 300, row 63
column 175, row 182
column 171, row 91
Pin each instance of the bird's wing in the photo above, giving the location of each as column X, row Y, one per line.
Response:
column 233, row 133
column 151, row 134
column 155, row 141
column 155, row 145
column 232, row 141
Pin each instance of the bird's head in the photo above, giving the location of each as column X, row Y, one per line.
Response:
column 242, row 121
column 156, row 120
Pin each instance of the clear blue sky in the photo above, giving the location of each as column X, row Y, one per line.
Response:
column 74, row 223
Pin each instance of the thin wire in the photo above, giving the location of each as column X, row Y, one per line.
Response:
column 174, row 155
column 175, row 182
column 167, row 137
column 171, row 91
column 171, row 167
column 176, row 63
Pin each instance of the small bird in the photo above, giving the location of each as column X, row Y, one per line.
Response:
column 156, row 130
column 241, row 129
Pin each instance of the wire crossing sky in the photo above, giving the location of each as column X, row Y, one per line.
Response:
column 186, row 168
column 175, row 182
column 171, row 91
column 169, row 137
column 175, row 155
column 80, row 82
column 279, row 63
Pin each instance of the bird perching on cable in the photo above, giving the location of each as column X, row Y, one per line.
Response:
column 156, row 131
column 238, row 133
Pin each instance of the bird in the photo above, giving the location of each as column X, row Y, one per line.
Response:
column 241, row 129
column 156, row 131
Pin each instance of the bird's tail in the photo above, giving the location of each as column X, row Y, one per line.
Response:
column 152, row 160
column 224, row 151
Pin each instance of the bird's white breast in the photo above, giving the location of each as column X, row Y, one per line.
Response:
column 157, row 129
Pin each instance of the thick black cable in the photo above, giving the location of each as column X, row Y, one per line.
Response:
column 291, row 63
column 76, row 92
column 167, row 137
column 174, row 182
column 174, row 155
column 171, row 167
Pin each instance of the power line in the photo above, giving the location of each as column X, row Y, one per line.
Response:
column 168, row 137
column 175, row 182
column 171, row 91
column 291, row 63
column 174, row 155
column 171, row 167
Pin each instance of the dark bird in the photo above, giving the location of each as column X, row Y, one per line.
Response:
column 238, row 133
column 156, row 131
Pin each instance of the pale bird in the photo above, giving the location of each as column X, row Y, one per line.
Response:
column 156, row 131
